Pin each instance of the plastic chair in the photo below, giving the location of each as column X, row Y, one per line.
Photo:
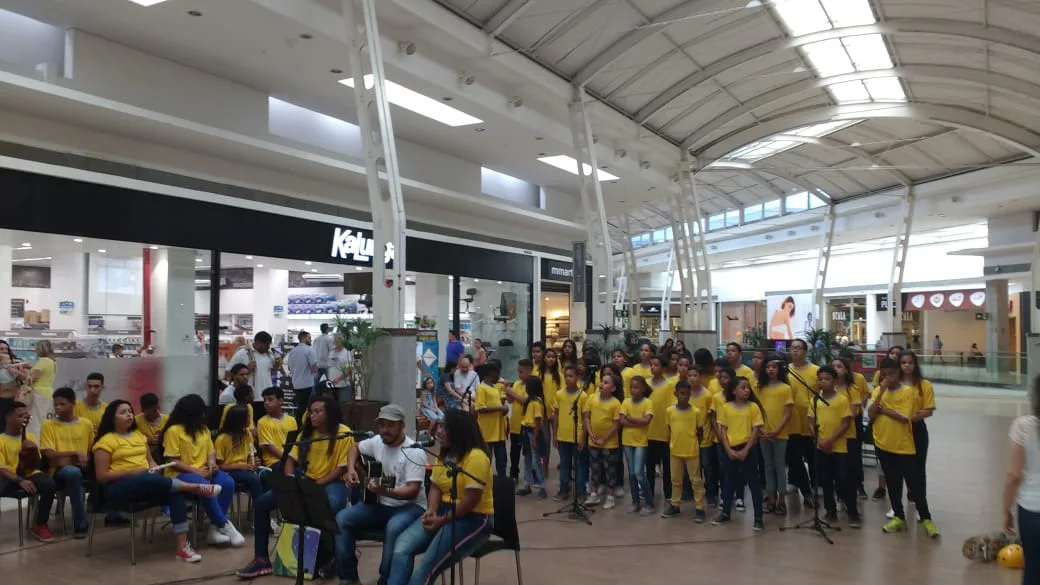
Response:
column 17, row 493
column 504, row 528
column 97, row 505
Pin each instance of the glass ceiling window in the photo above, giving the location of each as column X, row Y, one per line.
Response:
column 844, row 54
column 765, row 148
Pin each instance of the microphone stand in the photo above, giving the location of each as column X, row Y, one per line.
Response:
column 815, row 524
column 575, row 509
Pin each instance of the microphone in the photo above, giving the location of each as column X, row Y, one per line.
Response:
column 421, row 445
column 360, row 434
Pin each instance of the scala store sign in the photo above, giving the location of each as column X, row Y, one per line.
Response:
column 357, row 246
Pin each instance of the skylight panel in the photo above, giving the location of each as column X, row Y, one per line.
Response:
column 885, row 89
column 849, row 92
column 828, row 58
column 414, row 101
column 844, row 13
column 822, row 129
column 802, row 17
column 570, row 165
column 867, row 52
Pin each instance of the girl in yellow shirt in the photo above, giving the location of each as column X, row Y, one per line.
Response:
column 855, row 390
column 636, row 414
column 777, row 404
column 533, row 414
column 236, row 451
column 552, row 380
column 924, row 407
column 740, row 425
column 600, row 416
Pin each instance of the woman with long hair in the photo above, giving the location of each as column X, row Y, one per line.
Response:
column 680, row 348
column 236, row 453
column 462, row 445
column 123, row 464
column 780, row 322
column 188, row 445
column 1022, row 486
column 777, row 407
column 568, row 354
column 924, row 407
column 41, row 378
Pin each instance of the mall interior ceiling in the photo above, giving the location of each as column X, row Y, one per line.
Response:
column 781, row 107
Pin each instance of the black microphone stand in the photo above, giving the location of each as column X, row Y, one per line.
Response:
column 815, row 524
column 575, row 509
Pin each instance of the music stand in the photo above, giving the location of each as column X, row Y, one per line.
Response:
column 301, row 501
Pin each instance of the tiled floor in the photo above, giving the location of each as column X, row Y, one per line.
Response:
column 966, row 468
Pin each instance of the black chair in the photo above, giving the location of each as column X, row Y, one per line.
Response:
column 16, row 493
column 505, row 528
column 98, row 506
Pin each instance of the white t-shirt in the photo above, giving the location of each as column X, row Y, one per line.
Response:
column 260, row 380
column 337, row 360
column 300, row 360
column 468, row 381
column 227, row 395
column 322, row 347
column 1025, row 431
column 406, row 465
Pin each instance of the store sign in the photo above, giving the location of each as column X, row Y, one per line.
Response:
column 357, row 247
column 945, row 300
column 279, row 310
column 557, row 270
column 66, row 307
column 578, row 276
column 881, row 303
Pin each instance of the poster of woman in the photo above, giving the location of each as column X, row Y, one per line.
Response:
column 790, row 315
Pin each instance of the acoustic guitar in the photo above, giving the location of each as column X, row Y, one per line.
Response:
column 369, row 468
column 28, row 459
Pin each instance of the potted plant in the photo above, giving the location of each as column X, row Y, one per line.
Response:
column 819, row 341
column 360, row 336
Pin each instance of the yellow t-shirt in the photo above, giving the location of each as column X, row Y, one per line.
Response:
column 148, row 429
column 127, row 451
column 739, row 421
column 889, row 434
column 274, row 431
column 703, row 402
column 193, row 451
column 851, row 393
column 602, row 416
column 58, row 436
column 564, row 419
column 860, row 384
column 10, row 448
column 662, row 397
column 925, row 395
column 632, row 371
column 877, row 379
column 636, row 436
column 746, row 372
column 830, row 417
column 91, row 414
column 774, row 399
column 714, row 387
column 319, row 461
column 44, row 385
column 249, row 417
column 799, row 424
column 475, row 463
column 492, row 424
column 231, row 454
column 682, row 426
column 535, row 410
column 549, row 390
column 516, row 410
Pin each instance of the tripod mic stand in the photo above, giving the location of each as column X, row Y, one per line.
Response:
column 815, row 524
column 574, row 509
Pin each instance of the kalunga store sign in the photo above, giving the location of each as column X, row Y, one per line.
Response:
column 945, row 300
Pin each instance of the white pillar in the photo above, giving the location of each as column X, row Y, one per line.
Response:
column 433, row 298
column 270, row 289
column 69, row 283
column 997, row 328
column 172, row 312
column 5, row 285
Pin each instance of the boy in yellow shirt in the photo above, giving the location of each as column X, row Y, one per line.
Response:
column 516, row 396
column 568, row 438
column 150, row 421
column 91, row 407
column 832, row 419
column 491, row 413
column 65, row 441
column 13, row 416
column 272, row 431
column 686, row 425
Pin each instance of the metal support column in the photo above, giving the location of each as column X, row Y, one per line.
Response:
column 632, row 285
column 1034, row 321
column 704, row 314
column 894, row 335
column 666, row 300
column 823, row 259
column 388, row 217
column 595, row 211
column 688, row 297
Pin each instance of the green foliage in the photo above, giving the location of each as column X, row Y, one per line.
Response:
column 755, row 337
column 819, row 341
column 360, row 336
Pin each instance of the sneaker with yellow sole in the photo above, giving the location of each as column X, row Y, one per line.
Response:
column 930, row 529
column 894, row 525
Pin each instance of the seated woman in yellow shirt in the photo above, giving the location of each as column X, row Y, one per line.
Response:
column 236, row 451
column 187, row 444
column 124, row 465
column 461, row 443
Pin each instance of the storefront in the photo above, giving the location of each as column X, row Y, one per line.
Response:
column 958, row 317
column 556, row 281
column 848, row 319
column 90, row 267
column 742, row 322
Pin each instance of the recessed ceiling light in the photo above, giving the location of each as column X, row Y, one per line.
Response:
column 24, row 248
column 101, row 251
column 570, row 164
column 26, row 244
column 546, row 298
column 194, row 13
column 414, row 101
column 500, row 282
column 476, row 280
column 314, row 269
column 147, row 2
column 306, row 36
column 308, row 263
column 259, row 265
column 336, row 71
column 479, row 129
column 78, row 240
column 154, row 247
column 198, row 259
column 358, row 268
column 249, row 257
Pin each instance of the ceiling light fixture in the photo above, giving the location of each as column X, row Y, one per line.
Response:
column 358, row 268
column 31, row 259
column 154, row 247
column 307, row 263
column 259, row 265
column 570, row 164
column 414, row 101
column 249, row 257
column 198, row 259
column 331, row 277
column 26, row 244
column 24, row 248
column 147, row 2
column 102, row 251
column 78, row 240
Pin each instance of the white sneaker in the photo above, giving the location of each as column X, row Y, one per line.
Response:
column 791, row 488
column 619, row 492
column 890, row 514
column 215, row 536
column 592, row 500
column 609, row 503
column 234, row 536
column 188, row 554
column 276, row 528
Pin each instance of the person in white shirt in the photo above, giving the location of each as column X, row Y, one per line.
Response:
column 322, row 348
column 340, row 359
column 466, row 380
column 1022, row 486
column 260, row 360
column 303, row 365
column 239, row 377
column 399, row 506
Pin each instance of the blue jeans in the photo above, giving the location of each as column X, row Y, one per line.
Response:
column 567, row 457
column 249, row 479
column 774, row 455
column 635, row 458
column 335, row 491
column 737, row 471
column 471, row 531
column 1029, row 530
column 70, row 480
column 150, row 488
column 215, row 508
column 393, row 520
column 533, row 474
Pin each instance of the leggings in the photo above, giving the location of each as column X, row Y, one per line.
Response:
column 658, row 452
column 1029, row 530
column 921, row 445
column 516, row 450
column 899, row 469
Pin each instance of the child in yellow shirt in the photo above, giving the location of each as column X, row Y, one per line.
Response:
column 568, row 436
column 686, row 425
column 532, row 413
column 236, row 451
column 832, row 417
column 600, row 416
column 491, row 414
column 739, row 422
column 636, row 413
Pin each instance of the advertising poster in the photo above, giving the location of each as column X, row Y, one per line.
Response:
column 790, row 316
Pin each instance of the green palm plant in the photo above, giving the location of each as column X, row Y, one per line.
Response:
column 360, row 336
column 819, row 341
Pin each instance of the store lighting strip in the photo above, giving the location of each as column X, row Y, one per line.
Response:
column 570, row 164
column 147, row 2
column 31, row 259
column 414, row 101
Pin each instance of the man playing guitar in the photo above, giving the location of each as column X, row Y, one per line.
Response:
column 399, row 490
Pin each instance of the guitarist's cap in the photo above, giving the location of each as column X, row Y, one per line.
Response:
column 392, row 412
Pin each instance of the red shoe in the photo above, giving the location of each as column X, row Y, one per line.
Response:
column 188, row 554
column 42, row 533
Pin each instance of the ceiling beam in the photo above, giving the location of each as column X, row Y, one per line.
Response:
column 1022, row 138
column 838, row 145
column 911, row 72
column 990, row 34
column 505, row 16
column 754, row 173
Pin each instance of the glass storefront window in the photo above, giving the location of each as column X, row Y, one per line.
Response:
column 497, row 313
column 848, row 320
